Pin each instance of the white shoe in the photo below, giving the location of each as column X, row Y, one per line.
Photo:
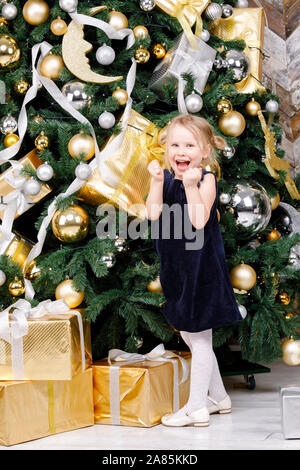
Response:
column 196, row 418
column 222, row 407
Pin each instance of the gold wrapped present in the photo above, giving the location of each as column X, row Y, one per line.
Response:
column 246, row 24
column 129, row 164
column 17, row 248
column 140, row 391
column 48, row 342
column 34, row 409
column 6, row 189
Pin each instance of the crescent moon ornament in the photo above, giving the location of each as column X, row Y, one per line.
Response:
column 74, row 49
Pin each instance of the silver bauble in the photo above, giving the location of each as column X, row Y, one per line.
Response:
column 272, row 106
column 31, row 187
column 83, row 171
column 147, row 5
column 243, row 311
column 213, row 11
column 294, row 257
column 286, row 219
column 105, row 55
column 227, row 11
column 224, row 198
column 68, row 5
column 228, row 151
column 106, row 120
column 75, row 94
column 8, row 124
column 44, row 172
column 120, row 244
column 239, row 62
column 2, row 277
column 218, row 63
column 241, row 4
column 251, row 207
column 205, row 35
column 193, row 103
column 9, row 11
column 108, row 259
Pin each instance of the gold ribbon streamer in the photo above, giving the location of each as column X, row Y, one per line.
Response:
column 273, row 162
column 51, row 417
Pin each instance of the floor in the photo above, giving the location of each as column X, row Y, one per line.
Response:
column 255, row 423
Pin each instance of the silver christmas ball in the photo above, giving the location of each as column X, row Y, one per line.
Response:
column 120, row 244
column 147, row 5
column 45, row 172
column 193, row 103
column 243, row 311
column 8, row 124
column 9, row 11
column 68, row 5
column 2, row 277
column 108, row 259
column 228, row 152
column 105, row 55
column 239, row 62
column 213, row 11
column 106, row 120
column 241, row 4
column 83, row 171
column 227, row 11
column 218, row 63
column 205, row 35
column 224, row 198
column 294, row 257
column 272, row 106
column 31, row 187
column 75, row 94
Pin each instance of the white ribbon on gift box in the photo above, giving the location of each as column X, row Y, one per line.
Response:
column 158, row 354
column 13, row 333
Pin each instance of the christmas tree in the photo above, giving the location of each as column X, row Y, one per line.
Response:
column 86, row 92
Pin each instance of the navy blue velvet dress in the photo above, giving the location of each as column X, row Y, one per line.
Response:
column 195, row 282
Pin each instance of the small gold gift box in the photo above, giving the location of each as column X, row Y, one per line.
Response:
column 34, row 409
column 143, row 393
column 33, row 160
column 17, row 248
column 129, row 165
column 246, row 24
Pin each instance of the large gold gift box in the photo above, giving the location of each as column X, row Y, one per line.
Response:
column 246, row 24
column 33, row 160
column 51, row 349
column 17, row 248
column 129, row 164
column 145, row 391
column 31, row 410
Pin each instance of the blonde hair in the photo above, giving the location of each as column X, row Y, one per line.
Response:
column 202, row 130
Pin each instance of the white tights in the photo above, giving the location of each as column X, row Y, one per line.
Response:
column 205, row 374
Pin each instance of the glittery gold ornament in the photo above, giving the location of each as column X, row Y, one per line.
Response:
column 142, row 55
column 284, row 298
column 10, row 139
column 253, row 107
column 275, row 201
column 9, row 52
column 232, row 123
column 118, row 20
column 70, row 225
column 155, row 286
column 58, row 27
column 291, row 352
column 21, row 87
column 243, row 276
column 42, row 141
column 159, row 51
column 51, row 66
column 66, row 291
column 16, row 287
column 31, row 271
column 36, row 12
column 273, row 235
column 224, row 106
column 3, row 22
column 140, row 32
column 121, row 95
column 81, row 144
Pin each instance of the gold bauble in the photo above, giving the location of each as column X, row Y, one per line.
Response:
column 36, row 12
column 273, row 235
column 215, row 168
column 38, row 118
column 42, row 141
column 224, row 106
column 70, row 225
column 51, row 66
column 16, row 287
column 159, row 51
column 66, row 291
column 118, row 20
column 10, row 139
column 232, row 123
column 3, row 22
column 9, row 51
column 243, row 276
column 21, row 87
column 81, row 144
column 291, row 352
column 142, row 55
column 58, row 27
column 155, row 286
column 31, row 271
column 140, row 32
column 289, row 315
column 284, row 298
column 253, row 107
column 275, row 201
column 121, row 95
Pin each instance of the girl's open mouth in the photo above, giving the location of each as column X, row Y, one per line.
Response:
column 182, row 164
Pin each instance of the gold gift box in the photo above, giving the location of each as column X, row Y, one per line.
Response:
column 51, row 349
column 190, row 10
column 31, row 410
column 33, row 160
column 17, row 248
column 129, row 164
column 145, row 390
column 246, row 24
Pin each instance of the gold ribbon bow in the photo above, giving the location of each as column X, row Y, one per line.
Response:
column 150, row 146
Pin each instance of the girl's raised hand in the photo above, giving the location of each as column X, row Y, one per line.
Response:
column 191, row 176
column 156, row 171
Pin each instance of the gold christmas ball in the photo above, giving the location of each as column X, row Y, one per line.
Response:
column 291, row 352
column 9, row 52
column 142, row 55
column 81, row 144
column 215, row 168
column 121, row 95
column 38, row 118
column 51, row 66
column 70, row 225
column 21, row 87
column 275, row 201
column 118, row 20
column 31, row 271
column 3, row 22
column 58, row 27
column 36, row 12
column 10, row 139
column 232, row 123
column 42, row 141
column 243, row 276
column 284, row 298
column 273, row 235
column 16, row 287
column 253, row 107
column 155, row 286
column 224, row 106
column 67, row 292
column 159, row 51
column 140, row 32
column 289, row 315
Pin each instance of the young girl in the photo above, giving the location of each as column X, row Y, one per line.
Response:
column 196, row 283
